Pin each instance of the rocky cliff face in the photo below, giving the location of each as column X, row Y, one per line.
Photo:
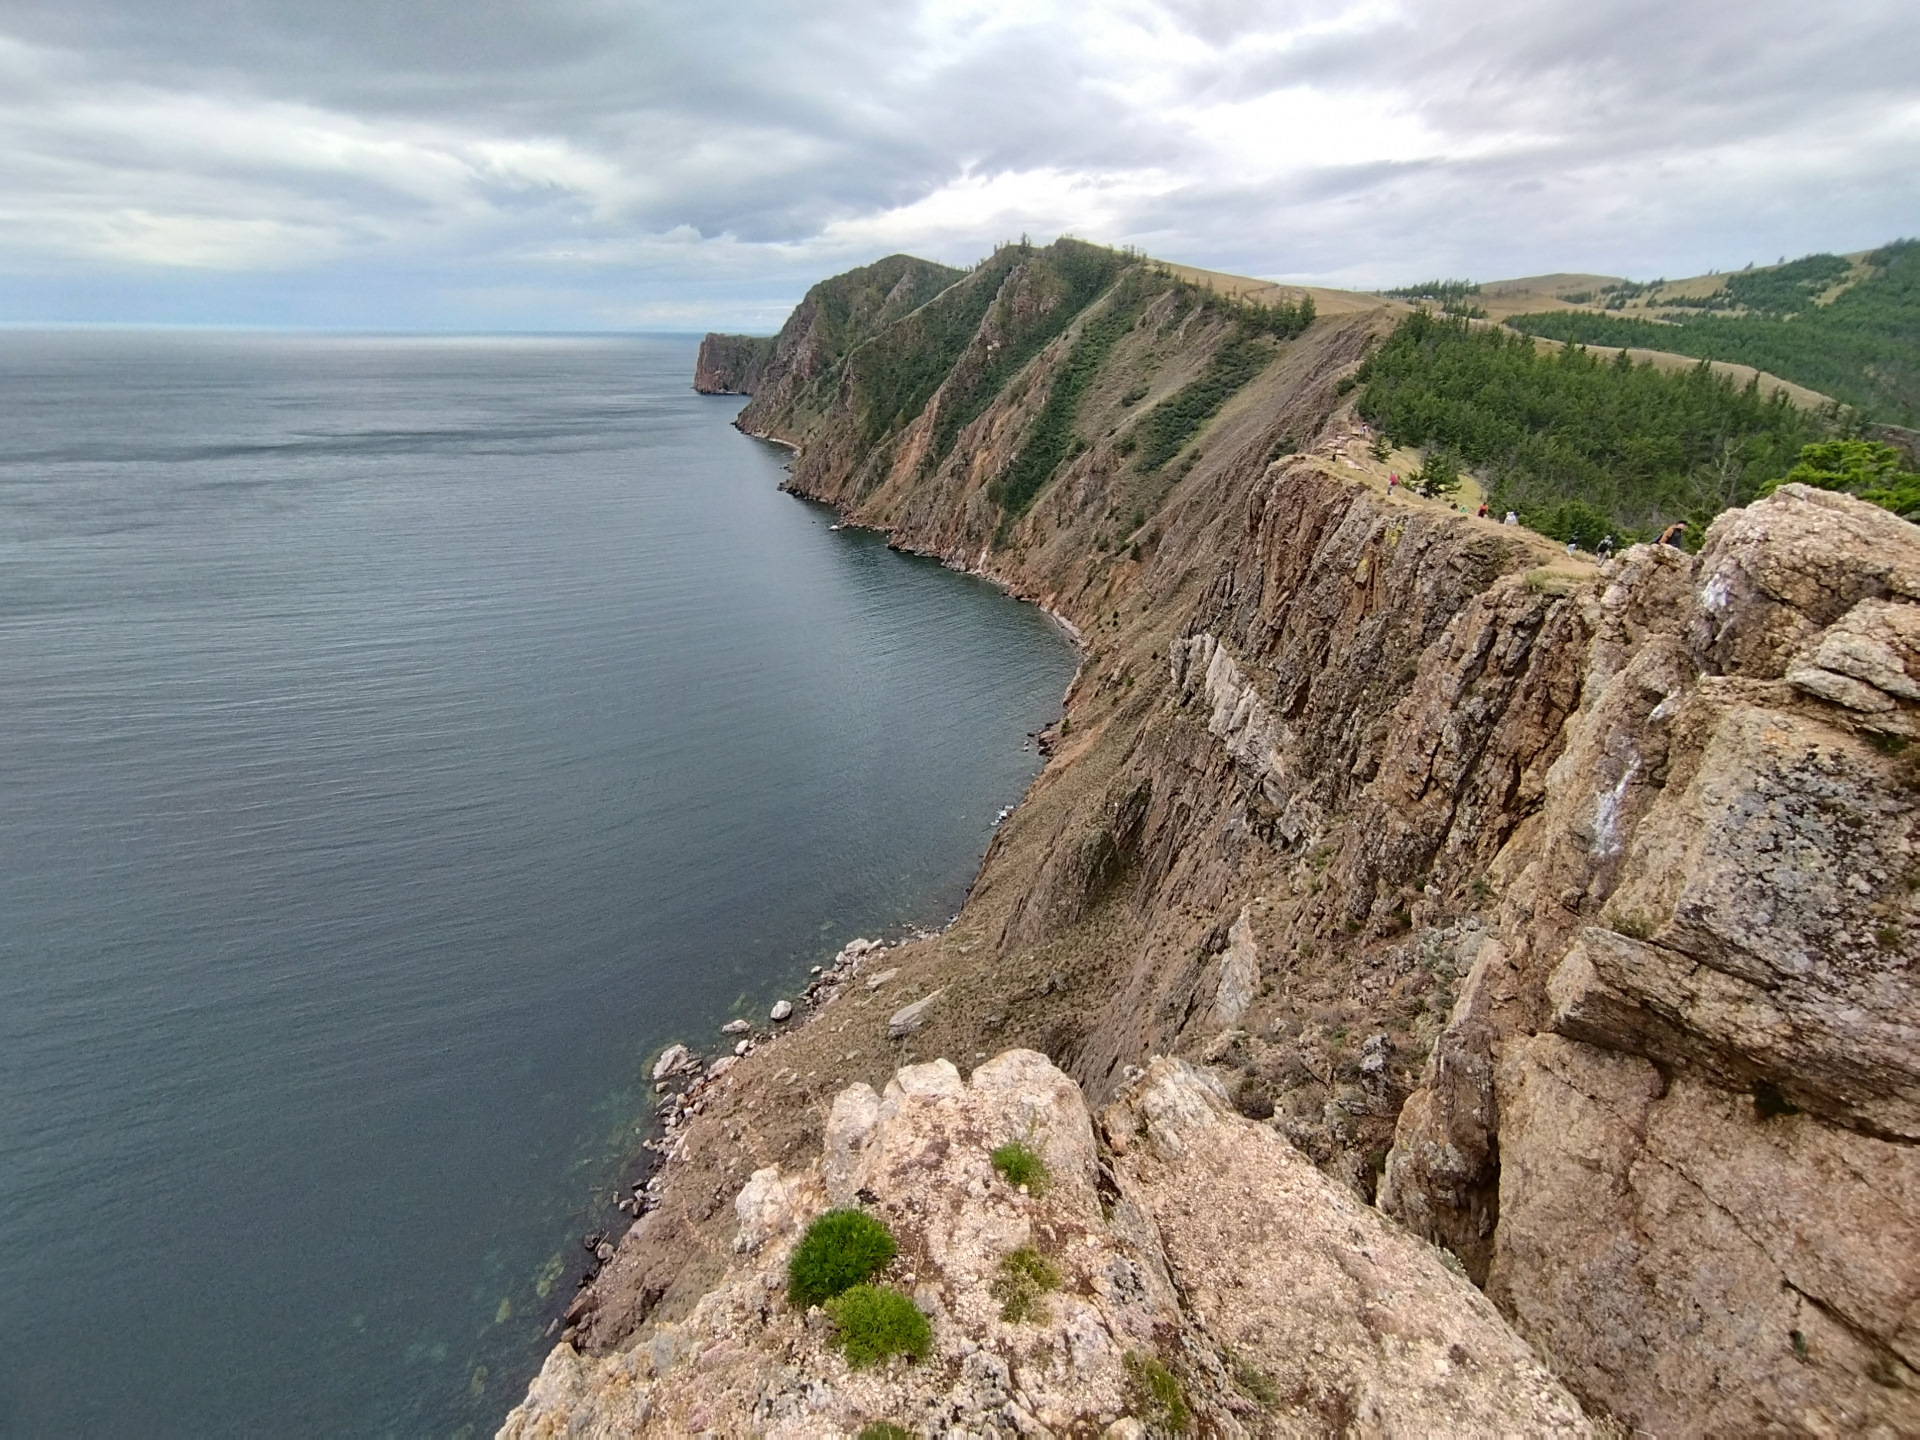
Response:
column 1566, row 915
column 731, row 364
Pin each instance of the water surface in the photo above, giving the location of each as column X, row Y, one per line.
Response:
column 400, row 740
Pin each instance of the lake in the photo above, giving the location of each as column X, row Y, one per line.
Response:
column 403, row 739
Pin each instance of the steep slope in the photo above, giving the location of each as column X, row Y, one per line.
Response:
column 835, row 316
column 1569, row 913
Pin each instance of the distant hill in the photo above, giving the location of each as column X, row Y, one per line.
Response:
column 1846, row 326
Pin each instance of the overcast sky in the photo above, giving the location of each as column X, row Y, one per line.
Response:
column 629, row 164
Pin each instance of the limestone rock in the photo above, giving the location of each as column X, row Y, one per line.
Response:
column 764, row 1207
column 1615, row 1189
column 782, row 1010
column 1277, row 1304
column 1239, row 972
column 1359, row 1324
column 909, row 1018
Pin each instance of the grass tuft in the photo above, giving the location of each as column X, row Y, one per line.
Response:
column 1025, row 1276
column 875, row 1322
column 1160, row 1395
column 840, row 1250
column 1019, row 1164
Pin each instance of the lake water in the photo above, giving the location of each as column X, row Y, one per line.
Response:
column 401, row 740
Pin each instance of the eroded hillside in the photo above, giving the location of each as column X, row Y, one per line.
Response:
column 1567, row 913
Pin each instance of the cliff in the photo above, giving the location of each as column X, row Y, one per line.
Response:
column 835, row 316
column 1561, row 915
column 731, row 364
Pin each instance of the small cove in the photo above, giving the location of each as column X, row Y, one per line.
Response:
column 406, row 737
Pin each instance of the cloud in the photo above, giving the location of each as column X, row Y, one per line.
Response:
column 590, row 162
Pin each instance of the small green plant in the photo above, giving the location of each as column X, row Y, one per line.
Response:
column 1255, row 1383
column 875, row 1322
column 840, row 1250
column 1025, row 1276
column 1020, row 1164
column 1634, row 927
column 1887, row 937
column 1160, row 1394
column 1380, row 448
column 884, row 1430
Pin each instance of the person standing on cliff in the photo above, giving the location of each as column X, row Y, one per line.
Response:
column 1673, row 534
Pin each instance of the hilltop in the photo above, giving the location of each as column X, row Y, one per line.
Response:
column 1846, row 326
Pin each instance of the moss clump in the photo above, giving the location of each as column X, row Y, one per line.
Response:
column 1020, row 1164
column 884, row 1430
column 840, row 1250
column 1161, row 1398
column 1025, row 1275
column 875, row 1322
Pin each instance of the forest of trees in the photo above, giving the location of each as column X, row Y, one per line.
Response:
column 1582, row 444
column 1862, row 348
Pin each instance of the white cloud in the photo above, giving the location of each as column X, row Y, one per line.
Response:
column 665, row 162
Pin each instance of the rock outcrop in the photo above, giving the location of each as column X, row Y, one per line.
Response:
column 731, row 364
column 1704, row 1048
column 1205, row 1268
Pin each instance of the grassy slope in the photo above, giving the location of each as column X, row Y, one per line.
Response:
column 1845, row 326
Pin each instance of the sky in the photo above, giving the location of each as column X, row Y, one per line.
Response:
column 646, row 164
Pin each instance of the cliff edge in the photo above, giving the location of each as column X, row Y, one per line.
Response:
column 1562, row 914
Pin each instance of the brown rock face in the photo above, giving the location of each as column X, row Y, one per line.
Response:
column 1704, row 1148
column 731, row 364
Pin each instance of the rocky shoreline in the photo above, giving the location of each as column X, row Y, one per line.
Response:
column 685, row 1082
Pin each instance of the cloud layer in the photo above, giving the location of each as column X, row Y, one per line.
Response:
column 640, row 163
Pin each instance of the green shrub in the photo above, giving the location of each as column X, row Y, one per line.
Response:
column 840, row 1249
column 1634, row 927
column 1867, row 468
column 1020, row 1164
column 1160, row 1394
column 875, row 1322
column 1170, row 424
column 1025, row 1275
column 884, row 1430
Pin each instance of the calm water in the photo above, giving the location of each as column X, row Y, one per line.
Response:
column 399, row 741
